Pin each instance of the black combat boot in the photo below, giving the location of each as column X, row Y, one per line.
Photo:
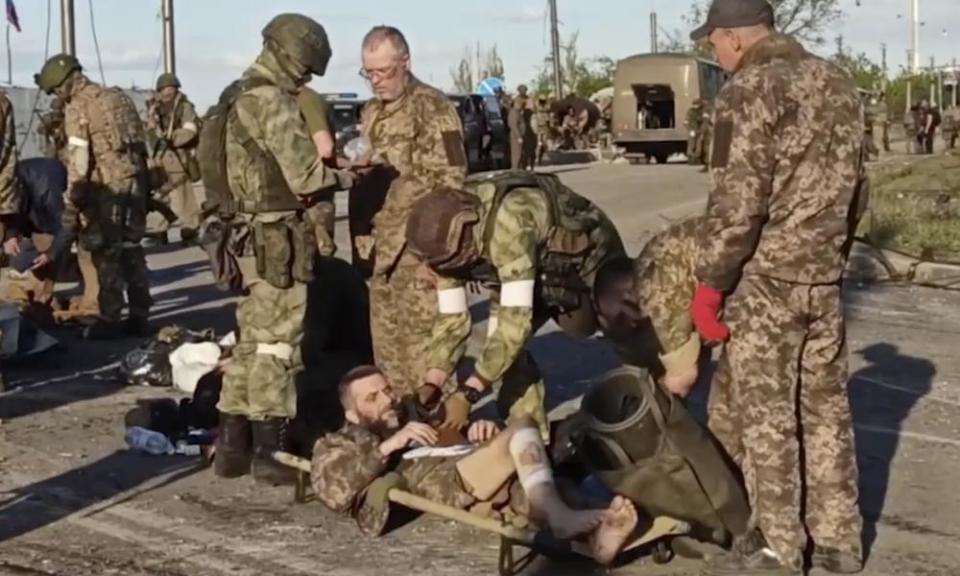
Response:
column 102, row 329
column 748, row 556
column 835, row 561
column 233, row 455
column 137, row 326
column 188, row 236
column 270, row 436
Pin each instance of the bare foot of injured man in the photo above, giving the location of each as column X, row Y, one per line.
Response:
column 619, row 521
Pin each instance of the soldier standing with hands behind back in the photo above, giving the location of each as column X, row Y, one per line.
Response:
column 788, row 189
column 416, row 135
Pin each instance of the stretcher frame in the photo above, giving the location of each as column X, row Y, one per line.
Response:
column 658, row 534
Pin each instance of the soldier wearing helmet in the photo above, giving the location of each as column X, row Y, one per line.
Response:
column 537, row 246
column 416, row 132
column 173, row 126
column 105, row 201
column 274, row 174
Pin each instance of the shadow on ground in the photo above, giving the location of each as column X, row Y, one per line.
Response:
column 48, row 501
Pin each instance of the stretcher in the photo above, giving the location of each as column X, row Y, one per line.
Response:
column 656, row 532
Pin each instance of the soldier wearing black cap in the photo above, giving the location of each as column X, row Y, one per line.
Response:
column 788, row 190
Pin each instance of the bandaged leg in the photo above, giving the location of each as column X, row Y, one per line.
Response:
column 536, row 477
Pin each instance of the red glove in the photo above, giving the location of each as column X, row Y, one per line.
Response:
column 705, row 310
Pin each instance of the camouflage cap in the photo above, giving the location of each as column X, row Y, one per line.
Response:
column 734, row 14
column 303, row 39
column 167, row 79
column 55, row 71
column 437, row 223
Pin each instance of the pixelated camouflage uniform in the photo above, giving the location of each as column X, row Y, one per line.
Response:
column 106, row 194
column 788, row 188
column 664, row 283
column 259, row 382
column 522, row 245
column 346, row 462
column 420, row 137
column 177, row 123
column 316, row 114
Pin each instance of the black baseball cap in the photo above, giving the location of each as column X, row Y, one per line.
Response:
column 734, row 14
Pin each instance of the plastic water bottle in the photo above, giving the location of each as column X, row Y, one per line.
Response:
column 148, row 441
column 184, row 448
column 357, row 148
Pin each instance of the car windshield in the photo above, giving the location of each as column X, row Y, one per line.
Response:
column 344, row 116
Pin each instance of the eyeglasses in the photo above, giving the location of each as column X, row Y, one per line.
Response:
column 375, row 74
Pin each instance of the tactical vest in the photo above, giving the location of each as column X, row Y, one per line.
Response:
column 580, row 238
column 115, row 131
column 212, row 156
column 642, row 443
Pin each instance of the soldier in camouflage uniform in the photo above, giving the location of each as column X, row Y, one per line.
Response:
column 537, row 246
column 323, row 212
column 693, row 121
column 788, row 190
column 415, row 133
column 9, row 188
column 106, row 192
column 643, row 306
column 951, row 127
column 273, row 171
column 543, row 126
column 173, row 125
column 354, row 468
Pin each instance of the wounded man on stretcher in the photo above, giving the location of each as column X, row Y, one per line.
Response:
column 352, row 469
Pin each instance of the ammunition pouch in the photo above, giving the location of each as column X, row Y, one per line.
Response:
column 285, row 251
column 223, row 243
column 642, row 443
column 192, row 167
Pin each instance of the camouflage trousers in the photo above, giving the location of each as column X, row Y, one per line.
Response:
column 259, row 382
column 779, row 399
column 122, row 267
column 403, row 307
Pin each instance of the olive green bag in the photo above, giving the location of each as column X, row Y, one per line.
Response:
column 642, row 443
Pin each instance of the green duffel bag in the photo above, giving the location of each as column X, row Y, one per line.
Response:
column 642, row 443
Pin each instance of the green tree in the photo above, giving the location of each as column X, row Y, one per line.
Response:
column 867, row 74
column 469, row 71
column 577, row 76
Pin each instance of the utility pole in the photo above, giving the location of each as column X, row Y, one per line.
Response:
column 68, row 41
column 840, row 45
column 653, row 32
column 909, row 82
column 914, row 61
column 169, row 48
column 933, row 85
column 956, row 81
column 555, row 47
column 883, row 64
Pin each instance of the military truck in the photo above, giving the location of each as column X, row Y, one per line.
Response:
column 652, row 94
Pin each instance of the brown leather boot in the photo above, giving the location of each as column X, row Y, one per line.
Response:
column 233, row 454
column 270, row 436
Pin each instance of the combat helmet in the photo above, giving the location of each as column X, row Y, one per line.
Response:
column 302, row 39
column 55, row 72
column 437, row 226
column 167, row 79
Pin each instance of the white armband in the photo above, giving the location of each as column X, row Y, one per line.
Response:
column 452, row 301
column 517, row 294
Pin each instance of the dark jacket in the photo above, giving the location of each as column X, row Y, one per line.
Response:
column 43, row 181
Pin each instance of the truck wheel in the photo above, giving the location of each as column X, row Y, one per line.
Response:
column 661, row 157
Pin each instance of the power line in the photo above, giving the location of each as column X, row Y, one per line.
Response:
column 46, row 44
column 96, row 42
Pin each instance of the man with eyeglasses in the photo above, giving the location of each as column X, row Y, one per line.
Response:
column 415, row 132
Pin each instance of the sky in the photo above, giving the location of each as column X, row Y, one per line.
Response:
column 217, row 39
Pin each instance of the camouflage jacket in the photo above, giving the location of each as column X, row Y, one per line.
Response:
column 524, row 234
column 419, row 135
column 664, row 286
column 346, row 462
column 271, row 117
column 177, row 123
column 9, row 190
column 787, row 169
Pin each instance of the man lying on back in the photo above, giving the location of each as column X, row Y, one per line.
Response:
column 347, row 464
